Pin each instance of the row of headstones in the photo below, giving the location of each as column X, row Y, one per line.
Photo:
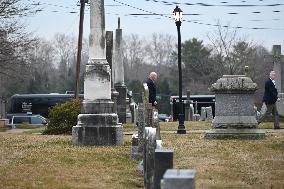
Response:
column 157, row 165
column 205, row 114
column 157, row 162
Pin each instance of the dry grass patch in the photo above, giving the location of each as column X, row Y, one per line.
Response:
column 172, row 126
column 29, row 161
column 189, row 125
column 230, row 163
column 37, row 161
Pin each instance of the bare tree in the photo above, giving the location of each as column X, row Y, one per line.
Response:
column 223, row 39
column 43, row 76
column 65, row 51
column 134, row 56
column 232, row 51
column 15, row 43
column 159, row 49
column 16, row 8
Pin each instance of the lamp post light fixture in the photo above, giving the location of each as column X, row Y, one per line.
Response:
column 178, row 17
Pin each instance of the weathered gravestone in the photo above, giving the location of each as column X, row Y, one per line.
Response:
column 188, row 107
column 196, row 117
column 2, row 108
column 148, row 157
column 203, row 114
column 119, row 84
column 134, row 147
column 109, row 56
column 209, row 114
column 163, row 161
column 141, row 126
column 151, row 113
column 234, row 109
column 143, row 118
column 178, row 179
column 97, row 124
column 278, row 66
column 147, row 117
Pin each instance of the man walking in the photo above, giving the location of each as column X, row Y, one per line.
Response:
column 152, row 88
column 269, row 100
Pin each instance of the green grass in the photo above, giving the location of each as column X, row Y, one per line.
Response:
column 49, row 161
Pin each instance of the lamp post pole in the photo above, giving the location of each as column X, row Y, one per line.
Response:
column 181, row 127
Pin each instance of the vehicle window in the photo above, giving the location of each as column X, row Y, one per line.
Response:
column 36, row 120
column 18, row 120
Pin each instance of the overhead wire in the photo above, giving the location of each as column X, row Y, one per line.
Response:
column 216, row 5
column 74, row 10
column 197, row 22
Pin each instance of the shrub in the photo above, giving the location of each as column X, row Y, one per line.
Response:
column 62, row 117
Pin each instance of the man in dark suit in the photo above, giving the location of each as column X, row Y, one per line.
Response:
column 152, row 88
column 269, row 100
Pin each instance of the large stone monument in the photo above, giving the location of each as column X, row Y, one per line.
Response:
column 97, row 124
column 234, row 109
column 109, row 57
column 118, row 74
column 278, row 66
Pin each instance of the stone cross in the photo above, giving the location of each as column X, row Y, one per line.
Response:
column 278, row 66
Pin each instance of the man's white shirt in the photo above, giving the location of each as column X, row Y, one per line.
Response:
column 273, row 81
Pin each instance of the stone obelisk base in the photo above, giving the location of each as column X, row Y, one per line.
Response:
column 99, row 128
column 121, row 102
column 250, row 134
column 234, row 109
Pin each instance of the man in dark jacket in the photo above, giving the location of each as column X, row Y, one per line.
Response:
column 269, row 100
column 152, row 88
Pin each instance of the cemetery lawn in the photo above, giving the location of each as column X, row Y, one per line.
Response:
column 42, row 161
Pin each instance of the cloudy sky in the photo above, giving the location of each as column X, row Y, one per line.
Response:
column 260, row 21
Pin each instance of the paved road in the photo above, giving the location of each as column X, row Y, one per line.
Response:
column 14, row 131
column 17, row 131
column 203, row 131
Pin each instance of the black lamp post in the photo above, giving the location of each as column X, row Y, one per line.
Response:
column 178, row 16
